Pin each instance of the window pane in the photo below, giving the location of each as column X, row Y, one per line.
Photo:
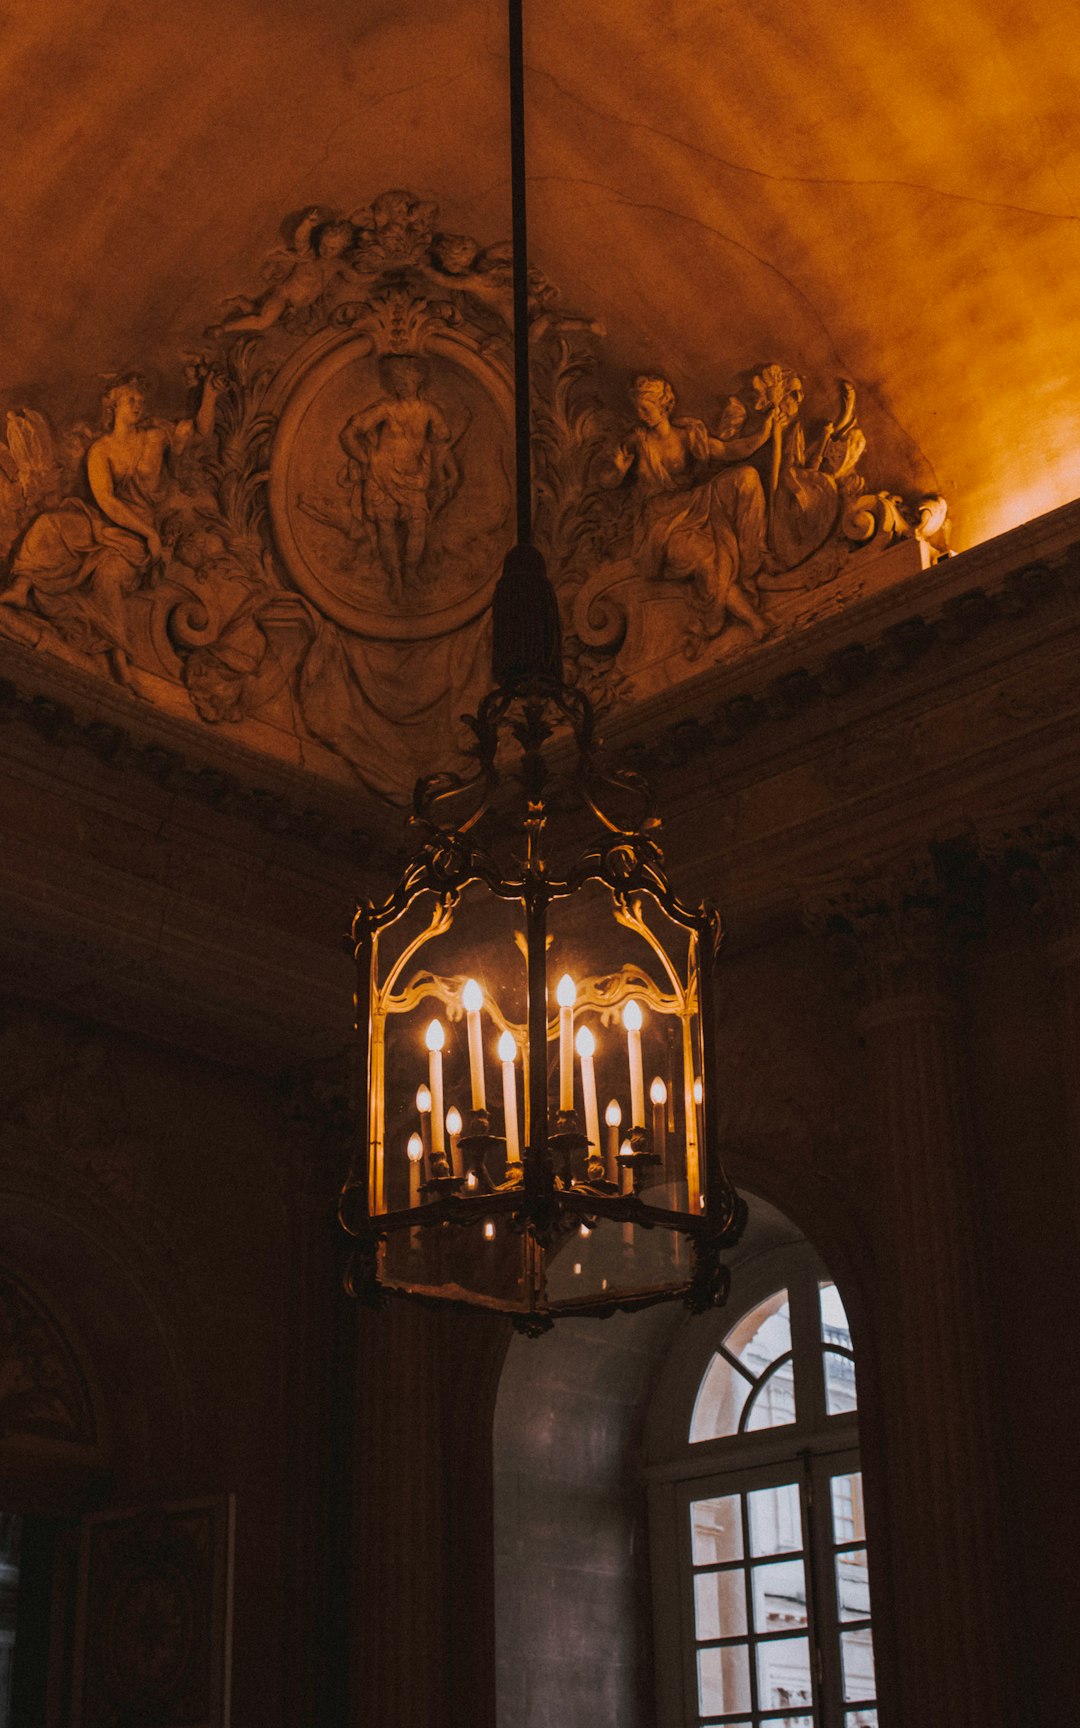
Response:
column 779, row 1596
column 783, row 1673
column 847, row 1508
column 775, row 1524
column 762, row 1335
column 864, row 1718
column 857, row 1654
column 774, row 1400
column 719, row 1403
column 840, row 1395
column 834, row 1321
column 720, row 1604
column 716, row 1530
column 852, row 1585
column 723, row 1679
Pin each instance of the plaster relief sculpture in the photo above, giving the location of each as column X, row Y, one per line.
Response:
column 299, row 275
column 78, row 564
column 309, row 551
column 751, row 522
column 400, row 472
column 701, row 508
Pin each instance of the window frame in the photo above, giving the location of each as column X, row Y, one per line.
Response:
column 811, row 1450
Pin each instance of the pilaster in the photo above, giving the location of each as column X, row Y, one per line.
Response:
column 423, row 1613
column 902, row 935
column 318, row 1368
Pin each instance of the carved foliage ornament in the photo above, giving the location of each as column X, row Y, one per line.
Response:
column 311, row 550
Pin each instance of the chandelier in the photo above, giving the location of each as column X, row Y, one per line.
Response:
column 538, row 1124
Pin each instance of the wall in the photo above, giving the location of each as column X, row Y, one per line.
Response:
column 144, row 1197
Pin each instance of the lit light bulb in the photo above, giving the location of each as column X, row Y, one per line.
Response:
column 472, row 997
column 631, row 1016
column 583, row 1230
column 435, row 1036
column 489, row 1230
column 626, row 1150
column 585, row 1042
column 658, row 1091
column 453, row 1120
column 566, row 991
column 470, row 1180
column 698, row 1092
column 577, row 1268
column 613, row 1114
column 507, row 1047
column 423, row 1100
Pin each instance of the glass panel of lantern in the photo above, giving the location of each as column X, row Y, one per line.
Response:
column 624, row 975
column 448, row 1003
column 449, row 1016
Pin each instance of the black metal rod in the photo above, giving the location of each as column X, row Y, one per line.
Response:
column 519, row 237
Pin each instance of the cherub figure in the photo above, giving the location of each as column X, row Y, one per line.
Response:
column 318, row 259
column 402, row 466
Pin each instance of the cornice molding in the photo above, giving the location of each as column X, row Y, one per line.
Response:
column 1024, row 576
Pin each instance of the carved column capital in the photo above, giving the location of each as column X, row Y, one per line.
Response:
column 1040, row 863
column 899, row 931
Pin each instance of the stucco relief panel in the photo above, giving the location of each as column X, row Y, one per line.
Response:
column 308, row 553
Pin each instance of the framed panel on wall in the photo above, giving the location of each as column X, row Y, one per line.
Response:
column 154, row 1623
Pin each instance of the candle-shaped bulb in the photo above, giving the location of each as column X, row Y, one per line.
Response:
column 613, row 1114
column 435, row 1038
column 698, row 1092
column 583, row 1230
column 415, row 1149
column 472, row 1000
column 658, row 1097
column 586, row 1045
column 566, row 996
column 489, row 1230
column 507, row 1056
column 626, row 1150
column 470, row 1180
column 423, row 1100
column 631, row 1016
column 453, row 1120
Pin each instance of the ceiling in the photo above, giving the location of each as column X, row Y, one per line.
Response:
column 885, row 193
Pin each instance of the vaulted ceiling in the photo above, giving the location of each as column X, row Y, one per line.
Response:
column 889, row 194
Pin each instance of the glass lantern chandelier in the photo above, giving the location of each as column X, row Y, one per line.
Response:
column 537, row 1128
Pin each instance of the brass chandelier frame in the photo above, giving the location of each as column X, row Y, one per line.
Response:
column 560, row 1180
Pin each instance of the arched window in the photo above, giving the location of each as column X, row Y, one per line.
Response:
column 756, row 1506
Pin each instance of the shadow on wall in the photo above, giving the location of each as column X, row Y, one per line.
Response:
column 572, row 1588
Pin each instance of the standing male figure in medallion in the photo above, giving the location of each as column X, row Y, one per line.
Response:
column 402, row 465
